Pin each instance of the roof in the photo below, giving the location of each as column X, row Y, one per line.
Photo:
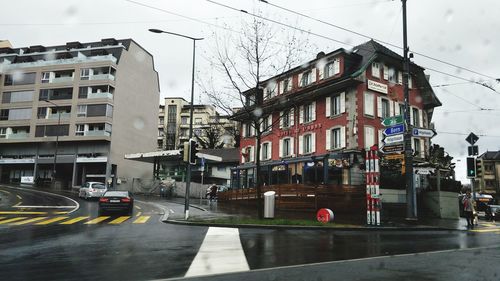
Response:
column 490, row 155
column 227, row 154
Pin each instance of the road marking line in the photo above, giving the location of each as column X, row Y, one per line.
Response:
column 60, row 213
column 19, row 197
column 28, row 221
column 138, row 207
column 5, row 191
column 75, row 220
column 97, row 220
column 44, row 207
column 142, row 219
column 1, row 218
column 21, row 213
column 17, row 204
column 220, row 252
column 138, row 214
column 487, row 230
column 52, row 220
column 119, row 220
column 12, row 220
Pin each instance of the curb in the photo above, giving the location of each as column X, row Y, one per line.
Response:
column 298, row 227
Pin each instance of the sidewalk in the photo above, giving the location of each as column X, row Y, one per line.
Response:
column 204, row 210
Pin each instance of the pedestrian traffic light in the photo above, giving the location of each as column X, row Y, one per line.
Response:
column 479, row 167
column 193, row 149
column 185, row 151
column 471, row 167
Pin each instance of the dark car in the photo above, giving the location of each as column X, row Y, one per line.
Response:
column 116, row 201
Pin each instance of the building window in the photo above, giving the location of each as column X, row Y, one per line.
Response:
column 336, row 138
column 184, row 132
column 335, row 107
column 82, row 111
column 266, row 124
column 51, row 130
column 392, row 75
column 198, row 121
column 386, row 108
column 285, row 119
column 417, row 150
column 15, row 114
column 309, row 111
column 80, row 129
column 369, row 136
column 184, row 120
column 306, row 79
column 286, row 85
column 332, row 68
column 19, row 79
column 161, row 121
column 84, row 74
column 416, row 117
column 376, row 69
column 369, row 104
column 402, row 109
column 45, row 77
column 266, row 151
column 198, row 132
column 286, row 147
column 270, row 91
column 308, row 144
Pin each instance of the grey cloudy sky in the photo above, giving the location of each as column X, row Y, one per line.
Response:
column 461, row 32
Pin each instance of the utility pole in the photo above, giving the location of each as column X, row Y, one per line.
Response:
column 411, row 200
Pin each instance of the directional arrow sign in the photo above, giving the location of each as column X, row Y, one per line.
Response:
column 398, row 148
column 393, row 139
column 398, row 129
column 426, row 133
column 391, row 121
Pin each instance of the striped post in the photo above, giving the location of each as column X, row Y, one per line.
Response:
column 368, row 187
column 376, row 184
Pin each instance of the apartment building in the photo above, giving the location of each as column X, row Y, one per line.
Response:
column 88, row 104
column 173, row 124
column 317, row 118
column 488, row 180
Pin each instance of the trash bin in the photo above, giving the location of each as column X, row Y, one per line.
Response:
column 269, row 198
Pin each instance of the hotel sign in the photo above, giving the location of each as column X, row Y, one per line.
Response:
column 377, row 87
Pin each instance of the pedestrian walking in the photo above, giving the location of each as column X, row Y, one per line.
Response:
column 213, row 192
column 468, row 204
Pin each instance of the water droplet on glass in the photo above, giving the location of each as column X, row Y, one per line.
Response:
column 258, row 112
column 140, row 56
column 449, row 15
column 418, row 99
column 138, row 123
column 17, row 75
column 321, row 63
column 49, row 56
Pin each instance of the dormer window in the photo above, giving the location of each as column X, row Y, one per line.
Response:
column 376, row 69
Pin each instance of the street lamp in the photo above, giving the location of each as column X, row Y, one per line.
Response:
column 188, row 167
column 57, row 140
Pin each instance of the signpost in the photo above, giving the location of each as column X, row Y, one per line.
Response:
column 396, row 148
column 472, row 138
column 394, row 120
column 394, row 157
column 393, row 139
column 426, row 133
column 394, row 130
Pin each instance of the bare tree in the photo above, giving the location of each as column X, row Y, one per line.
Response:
column 246, row 62
column 211, row 137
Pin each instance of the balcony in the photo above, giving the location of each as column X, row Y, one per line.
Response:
column 105, row 95
column 97, row 133
column 75, row 60
column 68, row 79
column 102, row 77
column 17, row 136
column 64, row 115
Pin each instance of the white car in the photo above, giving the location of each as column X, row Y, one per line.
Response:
column 92, row 189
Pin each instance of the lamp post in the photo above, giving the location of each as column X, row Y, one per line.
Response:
column 188, row 165
column 57, row 140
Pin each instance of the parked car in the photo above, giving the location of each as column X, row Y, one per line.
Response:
column 493, row 213
column 92, row 189
column 119, row 201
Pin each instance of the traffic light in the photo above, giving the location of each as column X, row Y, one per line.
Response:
column 185, row 151
column 479, row 167
column 193, row 149
column 471, row 167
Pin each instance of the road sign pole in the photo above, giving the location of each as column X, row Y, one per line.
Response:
column 411, row 200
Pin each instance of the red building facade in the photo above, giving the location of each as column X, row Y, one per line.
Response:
column 318, row 118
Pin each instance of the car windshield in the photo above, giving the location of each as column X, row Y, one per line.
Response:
column 250, row 140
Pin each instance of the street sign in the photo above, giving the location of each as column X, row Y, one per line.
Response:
column 391, row 121
column 393, row 139
column 394, row 157
column 398, row 129
column 397, row 148
column 426, row 133
column 472, row 138
column 473, row 150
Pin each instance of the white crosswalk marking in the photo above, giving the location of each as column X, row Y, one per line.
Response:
column 220, row 252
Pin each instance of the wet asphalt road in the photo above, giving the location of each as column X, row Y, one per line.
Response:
column 155, row 250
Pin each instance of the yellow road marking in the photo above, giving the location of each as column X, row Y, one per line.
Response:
column 28, row 221
column 75, row 220
column 12, row 220
column 4, row 191
column 18, row 203
column 51, row 220
column 142, row 219
column 97, row 220
column 138, row 214
column 60, row 213
column 21, row 213
column 19, row 197
column 1, row 218
column 488, row 224
column 487, row 229
column 119, row 220
column 138, row 207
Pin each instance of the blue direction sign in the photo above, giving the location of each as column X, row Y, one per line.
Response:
column 394, row 130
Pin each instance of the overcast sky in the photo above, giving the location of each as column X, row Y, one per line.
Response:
column 460, row 32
